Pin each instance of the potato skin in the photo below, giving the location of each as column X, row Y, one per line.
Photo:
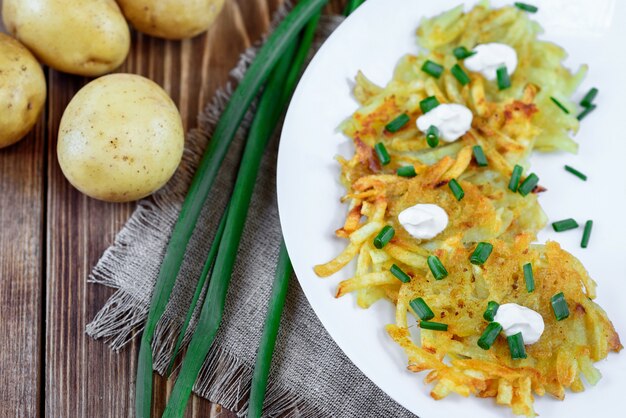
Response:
column 120, row 138
column 171, row 19
column 22, row 90
column 84, row 37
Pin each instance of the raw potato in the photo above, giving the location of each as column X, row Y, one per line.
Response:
column 22, row 90
column 171, row 19
column 85, row 37
column 120, row 138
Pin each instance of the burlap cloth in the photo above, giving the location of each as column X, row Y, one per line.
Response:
column 311, row 376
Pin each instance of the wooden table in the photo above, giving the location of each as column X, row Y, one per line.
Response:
column 51, row 236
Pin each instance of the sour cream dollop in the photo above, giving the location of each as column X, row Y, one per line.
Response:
column 515, row 318
column 452, row 120
column 489, row 57
column 424, row 220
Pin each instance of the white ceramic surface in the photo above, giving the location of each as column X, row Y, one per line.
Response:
column 372, row 40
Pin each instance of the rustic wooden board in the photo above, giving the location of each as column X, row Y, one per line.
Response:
column 51, row 236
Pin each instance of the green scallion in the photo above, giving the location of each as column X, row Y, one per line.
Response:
column 585, row 112
column 587, row 101
column 382, row 154
column 489, row 335
column 384, row 236
column 479, row 156
column 398, row 123
column 564, row 225
column 436, row 267
column 526, row 7
column 516, row 346
column 400, row 275
column 352, row 6
column 560, row 105
column 435, row 326
column 515, row 177
column 492, row 309
column 432, row 68
column 559, row 306
column 456, row 189
column 421, row 309
column 406, row 171
column 481, row 253
column 528, row 185
column 529, row 277
column 429, row 104
column 461, row 52
column 460, row 75
column 504, row 81
column 432, row 136
column 576, row 173
column 586, row 234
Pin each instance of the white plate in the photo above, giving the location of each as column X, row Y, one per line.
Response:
column 372, row 40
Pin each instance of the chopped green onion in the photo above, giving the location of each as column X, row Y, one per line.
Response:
column 489, row 335
column 398, row 123
column 461, row 52
column 481, row 253
column 515, row 177
column 432, row 68
column 421, row 309
column 384, row 236
column 492, row 309
column 429, row 104
column 526, row 7
column 528, row 185
column 564, row 225
column 479, row 156
column 587, row 101
column 560, row 105
column 456, row 188
column 585, row 112
column 435, row 326
column 529, row 277
column 381, row 152
column 504, row 81
column 559, row 306
column 586, row 234
column 406, row 171
column 352, row 6
column 576, row 173
column 432, row 136
column 516, row 346
column 436, row 267
column 401, row 275
column 460, row 75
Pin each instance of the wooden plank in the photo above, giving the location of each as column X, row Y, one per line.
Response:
column 21, row 272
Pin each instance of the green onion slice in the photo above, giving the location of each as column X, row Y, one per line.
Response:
column 479, row 156
column 400, row 275
column 528, row 185
column 489, row 335
column 526, row 7
column 587, row 101
column 384, row 236
column 492, row 309
column 515, row 177
column 564, row 225
column 398, row 123
column 560, row 105
column 586, row 234
column 575, row 172
column 504, row 81
column 585, row 112
column 456, row 188
column 432, row 136
column 461, row 52
column 421, row 309
column 516, row 346
column 460, row 75
column 481, row 253
column 381, row 152
column 436, row 267
column 432, row 68
column 406, row 171
column 529, row 277
column 435, row 326
column 429, row 104
column 559, row 306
